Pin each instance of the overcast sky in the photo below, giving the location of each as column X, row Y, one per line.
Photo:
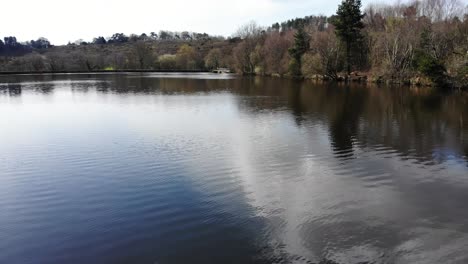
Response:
column 64, row 20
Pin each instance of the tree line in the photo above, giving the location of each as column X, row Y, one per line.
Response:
column 420, row 42
column 163, row 35
column 11, row 47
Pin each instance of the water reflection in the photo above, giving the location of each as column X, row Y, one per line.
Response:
column 415, row 122
column 11, row 89
column 44, row 88
column 345, row 125
column 144, row 168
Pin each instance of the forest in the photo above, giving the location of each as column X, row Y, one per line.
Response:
column 422, row 42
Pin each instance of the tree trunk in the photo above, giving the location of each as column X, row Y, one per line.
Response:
column 348, row 57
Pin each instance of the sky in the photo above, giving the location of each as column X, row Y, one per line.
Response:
column 62, row 21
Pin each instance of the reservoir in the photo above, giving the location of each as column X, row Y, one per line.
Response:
column 217, row 168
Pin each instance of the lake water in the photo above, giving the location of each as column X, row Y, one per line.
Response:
column 201, row 168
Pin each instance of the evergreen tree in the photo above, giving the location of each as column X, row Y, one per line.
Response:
column 300, row 47
column 427, row 63
column 99, row 40
column 348, row 25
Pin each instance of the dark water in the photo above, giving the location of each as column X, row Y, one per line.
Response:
column 197, row 169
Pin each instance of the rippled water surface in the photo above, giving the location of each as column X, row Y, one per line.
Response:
column 200, row 168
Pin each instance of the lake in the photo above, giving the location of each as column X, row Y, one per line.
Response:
column 204, row 168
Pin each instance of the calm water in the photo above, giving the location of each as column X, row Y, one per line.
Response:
column 215, row 169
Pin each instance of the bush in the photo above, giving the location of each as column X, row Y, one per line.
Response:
column 432, row 68
column 167, row 61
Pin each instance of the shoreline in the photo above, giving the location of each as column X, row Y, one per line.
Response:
column 364, row 79
column 415, row 81
column 100, row 71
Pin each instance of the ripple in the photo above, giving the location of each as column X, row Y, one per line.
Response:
column 189, row 169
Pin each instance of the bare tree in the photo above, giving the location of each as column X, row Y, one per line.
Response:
column 214, row 59
column 438, row 10
column 393, row 49
column 326, row 54
column 249, row 30
column 56, row 62
column 275, row 52
column 143, row 54
column 245, row 54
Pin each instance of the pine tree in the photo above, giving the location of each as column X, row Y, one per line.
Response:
column 300, row 47
column 427, row 63
column 348, row 25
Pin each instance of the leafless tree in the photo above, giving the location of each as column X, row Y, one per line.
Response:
column 143, row 54
column 275, row 52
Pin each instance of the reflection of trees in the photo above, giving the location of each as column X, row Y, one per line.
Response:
column 12, row 89
column 416, row 123
column 344, row 126
column 144, row 84
column 411, row 123
column 44, row 88
column 295, row 103
column 421, row 125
